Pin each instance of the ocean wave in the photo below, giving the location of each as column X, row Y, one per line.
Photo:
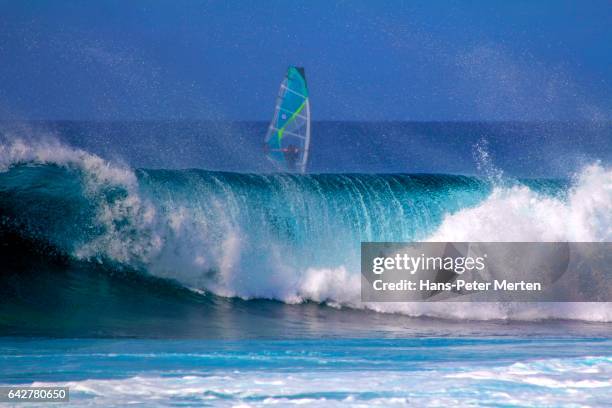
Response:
column 288, row 237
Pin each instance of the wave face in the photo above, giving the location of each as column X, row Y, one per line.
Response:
column 285, row 237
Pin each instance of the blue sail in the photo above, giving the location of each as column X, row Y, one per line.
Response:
column 288, row 138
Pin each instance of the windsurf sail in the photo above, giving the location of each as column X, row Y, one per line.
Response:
column 288, row 138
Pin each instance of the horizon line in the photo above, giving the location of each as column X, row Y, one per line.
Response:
column 313, row 121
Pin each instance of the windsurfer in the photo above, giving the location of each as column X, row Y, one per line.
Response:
column 291, row 156
column 291, row 153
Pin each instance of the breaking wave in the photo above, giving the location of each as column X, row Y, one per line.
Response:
column 286, row 237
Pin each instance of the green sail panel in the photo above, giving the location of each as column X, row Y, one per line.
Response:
column 288, row 138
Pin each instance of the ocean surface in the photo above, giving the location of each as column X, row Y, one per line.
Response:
column 498, row 371
column 166, row 264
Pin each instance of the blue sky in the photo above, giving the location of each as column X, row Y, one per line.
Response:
column 364, row 60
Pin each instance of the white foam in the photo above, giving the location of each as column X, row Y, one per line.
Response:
column 334, row 286
column 127, row 220
column 580, row 373
column 583, row 381
column 519, row 214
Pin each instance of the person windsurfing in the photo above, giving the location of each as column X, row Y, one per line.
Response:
column 291, row 154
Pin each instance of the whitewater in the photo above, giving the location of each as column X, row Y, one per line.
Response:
column 284, row 237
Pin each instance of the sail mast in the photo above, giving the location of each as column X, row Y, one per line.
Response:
column 307, row 142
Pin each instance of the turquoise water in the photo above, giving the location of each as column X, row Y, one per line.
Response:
column 524, row 371
column 192, row 287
